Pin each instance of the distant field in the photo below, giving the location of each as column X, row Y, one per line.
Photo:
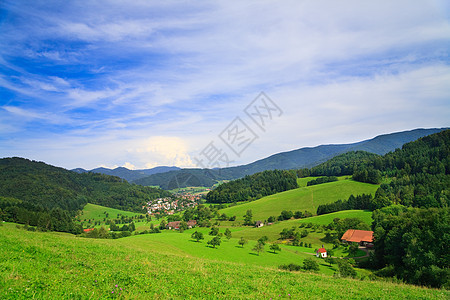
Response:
column 273, row 231
column 364, row 215
column 302, row 198
column 61, row 266
column 97, row 212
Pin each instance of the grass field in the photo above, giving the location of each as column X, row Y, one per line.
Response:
column 98, row 213
column 36, row 265
column 364, row 215
column 273, row 231
column 302, row 198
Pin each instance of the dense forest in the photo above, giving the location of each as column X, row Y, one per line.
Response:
column 418, row 175
column 38, row 194
column 253, row 187
column 411, row 212
column 412, row 244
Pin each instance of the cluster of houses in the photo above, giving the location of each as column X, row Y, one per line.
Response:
column 176, row 224
column 169, row 205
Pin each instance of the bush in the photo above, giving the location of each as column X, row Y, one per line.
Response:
column 290, row 267
column 310, row 264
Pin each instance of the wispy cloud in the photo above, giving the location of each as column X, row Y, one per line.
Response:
column 121, row 74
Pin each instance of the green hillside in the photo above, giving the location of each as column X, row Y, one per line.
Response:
column 97, row 212
column 61, row 266
column 303, row 198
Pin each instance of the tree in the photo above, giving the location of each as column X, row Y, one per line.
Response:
column 330, row 260
column 353, row 249
column 275, row 247
column 183, row 226
column 310, row 264
column 214, row 231
column 214, row 242
column 228, row 233
column 259, row 247
column 242, row 242
column 197, row 236
column 248, row 217
column 163, row 224
column 345, row 269
column 263, row 239
column 286, row 215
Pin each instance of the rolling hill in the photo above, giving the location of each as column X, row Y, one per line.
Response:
column 46, row 265
column 296, row 159
column 303, row 198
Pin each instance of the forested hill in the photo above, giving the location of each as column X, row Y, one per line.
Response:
column 300, row 158
column 28, row 187
column 419, row 175
column 253, row 187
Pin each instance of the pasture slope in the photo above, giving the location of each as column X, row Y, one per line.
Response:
column 53, row 265
column 302, row 198
column 98, row 212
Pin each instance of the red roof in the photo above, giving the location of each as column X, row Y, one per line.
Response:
column 322, row 250
column 88, row 229
column 357, row 236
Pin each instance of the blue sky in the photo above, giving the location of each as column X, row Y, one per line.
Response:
column 146, row 83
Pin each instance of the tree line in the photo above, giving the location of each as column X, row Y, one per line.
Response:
column 253, row 187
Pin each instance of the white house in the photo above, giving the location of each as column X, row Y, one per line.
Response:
column 321, row 252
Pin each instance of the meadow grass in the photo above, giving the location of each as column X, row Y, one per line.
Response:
column 37, row 265
column 363, row 215
column 97, row 212
column 302, row 198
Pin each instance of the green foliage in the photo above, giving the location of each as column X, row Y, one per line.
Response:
column 48, row 197
column 214, row 231
column 253, row 187
column 242, row 242
column 214, row 242
column 259, row 247
column 342, row 225
column 321, row 180
column 285, row 215
column 343, row 164
column 61, row 266
column 345, row 268
column 310, row 264
column 414, row 242
column 290, row 267
column 228, row 234
column 359, row 202
column 274, row 247
column 197, row 236
column 248, row 217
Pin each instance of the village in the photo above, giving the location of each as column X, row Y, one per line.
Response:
column 171, row 205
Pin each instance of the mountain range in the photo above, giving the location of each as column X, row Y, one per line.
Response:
column 307, row 157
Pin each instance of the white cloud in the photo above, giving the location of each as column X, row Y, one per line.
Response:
column 114, row 73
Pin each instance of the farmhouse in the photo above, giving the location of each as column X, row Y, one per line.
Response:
column 363, row 237
column 176, row 224
column 173, row 225
column 259, row 224
column 191, row 223
column 321, row 252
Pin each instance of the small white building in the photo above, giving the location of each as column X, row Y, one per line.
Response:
column 321, row 252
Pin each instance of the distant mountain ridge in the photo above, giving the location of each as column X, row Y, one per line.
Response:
column 296, row 159
column 127, row 174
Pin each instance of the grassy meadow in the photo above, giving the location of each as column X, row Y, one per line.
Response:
column 302, row 198
column 38, row 265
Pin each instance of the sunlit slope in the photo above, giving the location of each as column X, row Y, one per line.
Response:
column 303, row 198
column 60, row 266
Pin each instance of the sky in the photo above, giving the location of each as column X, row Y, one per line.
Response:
column 141, row 84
